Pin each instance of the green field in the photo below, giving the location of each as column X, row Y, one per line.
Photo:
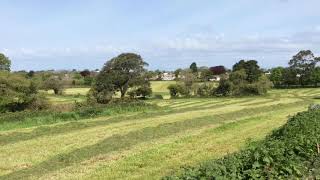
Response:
column 71, row 95
column 146, row 145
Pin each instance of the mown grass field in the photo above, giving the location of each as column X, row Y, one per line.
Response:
column 149, row 144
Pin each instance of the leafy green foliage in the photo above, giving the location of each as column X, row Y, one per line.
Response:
column 289, row 152
column 5, row 63
column 142, row 91
column 18, row 93
column 303, row 62
column 119, row 74
column 193, row 67
column 251, row 69
column 246, row 79
column 55, row 84
column 20, row 119
column 206, row 90
column 277, row 75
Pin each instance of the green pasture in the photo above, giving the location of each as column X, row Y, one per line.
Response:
column 148, row 144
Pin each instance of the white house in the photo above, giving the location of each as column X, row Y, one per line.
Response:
column 215, row 78
column 168, row 76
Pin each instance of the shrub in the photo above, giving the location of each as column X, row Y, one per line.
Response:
column 206, row 90
column 177, row 90
column 102, row 97
column 55, row 84
column 142, row 91
column 288, row 153
column 18, row 93
column 38, row 103
column 224, row 88
column 173, row 90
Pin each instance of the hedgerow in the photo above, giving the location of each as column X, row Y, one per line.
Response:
column 12, row 120
column 290, row 152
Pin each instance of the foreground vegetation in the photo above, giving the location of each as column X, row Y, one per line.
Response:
column 145, row 144
column 289, row 152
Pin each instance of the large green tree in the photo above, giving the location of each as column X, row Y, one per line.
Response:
column 5, row 63
column 277, row 75
column 121, row 73
column 251, row 68
column 194, row 67
column 303, row 63
column 315, row 76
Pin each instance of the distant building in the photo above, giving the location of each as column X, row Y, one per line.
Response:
column 215, row 78
column 168, row 76
column 268, row 73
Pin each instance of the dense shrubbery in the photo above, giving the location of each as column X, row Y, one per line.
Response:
column 302, row 72
column 246, row 78
column 11, row 120
column 206, row 90
column 288, row 153
column 142, row 92
column 18, row 93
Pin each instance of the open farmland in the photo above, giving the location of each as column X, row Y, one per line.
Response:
column 148, row 144
column 71, row 95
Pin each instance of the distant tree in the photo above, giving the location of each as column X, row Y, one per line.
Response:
column 85, row 73
column 218, row 70
column 18, row 93
column 88, row 80
column 188, row 79
column 245, row 79
column 315, row 76
column 158, row 73
column 55, row 84
column 5, row 63
column 30, row 74
column 206, row 75
column 177, row 73
column 277, row 76
column 289, row 76
column 173, row 90
column 194, row 67
column 224, row 88
column 120, row 74
column 251, row 68
column 304, row 62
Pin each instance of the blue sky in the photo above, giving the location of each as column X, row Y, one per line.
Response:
column 168, row 34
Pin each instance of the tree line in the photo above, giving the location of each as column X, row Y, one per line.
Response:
column 301, row 72
column 126, row 75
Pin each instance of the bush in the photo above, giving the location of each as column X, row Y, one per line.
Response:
column 206, row 90
column 177, row 90
column 237, row 85
column 37, row 103
column 173, row 90
column 55, row 84
column 102, row 97
column 143, row 92
column 18, row 93
column 224, row 88
column 288, row 153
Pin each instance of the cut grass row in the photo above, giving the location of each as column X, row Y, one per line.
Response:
column 139, row 135
column 143, row 145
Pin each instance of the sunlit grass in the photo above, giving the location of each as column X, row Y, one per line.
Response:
column 145, row 145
